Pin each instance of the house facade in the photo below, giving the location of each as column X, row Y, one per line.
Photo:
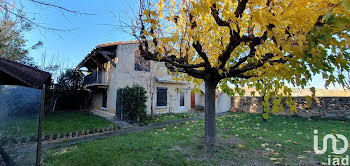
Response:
column 111, row 66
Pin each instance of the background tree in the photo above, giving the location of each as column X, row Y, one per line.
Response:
column 70, row 80
column 12, row 43
column 68, row 92
column 240, row 42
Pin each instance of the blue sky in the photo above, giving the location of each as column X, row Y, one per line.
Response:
column 87, row 31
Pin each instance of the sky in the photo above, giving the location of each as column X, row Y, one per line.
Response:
column 85, row 30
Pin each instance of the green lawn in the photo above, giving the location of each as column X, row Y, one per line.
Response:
column 18, row 127
column 243, row 140
column 68, row 121
column 168, row 117
column 56, row 122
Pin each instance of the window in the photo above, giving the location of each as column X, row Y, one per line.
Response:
column 162, row 97
column 140, row 63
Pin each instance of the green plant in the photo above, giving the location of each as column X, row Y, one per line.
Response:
column 133, row 101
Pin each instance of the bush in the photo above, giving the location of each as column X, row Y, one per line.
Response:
column 69, row 91
column 133, row 103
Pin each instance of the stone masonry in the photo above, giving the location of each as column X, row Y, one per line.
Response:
column 328, row 107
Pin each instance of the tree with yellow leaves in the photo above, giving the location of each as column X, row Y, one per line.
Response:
column 248, row 44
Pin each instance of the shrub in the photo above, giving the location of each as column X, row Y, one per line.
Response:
column 133, row 103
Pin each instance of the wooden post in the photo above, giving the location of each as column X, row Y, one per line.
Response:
column 40, row 127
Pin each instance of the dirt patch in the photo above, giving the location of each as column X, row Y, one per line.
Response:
column 229, row 140
column 65, row 149
column 176, row 148
column 230, row 150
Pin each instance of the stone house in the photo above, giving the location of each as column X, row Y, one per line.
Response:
column 115, row 65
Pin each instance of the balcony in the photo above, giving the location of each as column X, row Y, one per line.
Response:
column 96, row 78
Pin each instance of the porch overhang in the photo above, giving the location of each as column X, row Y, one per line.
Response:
column 101, row 54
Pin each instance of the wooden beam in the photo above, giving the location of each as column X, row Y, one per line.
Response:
column 81, row 72
column 105, row 54
column 98, row 63
column 109, row 53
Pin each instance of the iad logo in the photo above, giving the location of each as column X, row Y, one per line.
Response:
column 333, row 138
column 334, row 143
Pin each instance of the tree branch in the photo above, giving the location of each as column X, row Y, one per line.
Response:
column 32, row 22
column 196, row 45
column 171, row 61
column 59, row 7
column 240, row 8
column 218, row 20
column 234, row 36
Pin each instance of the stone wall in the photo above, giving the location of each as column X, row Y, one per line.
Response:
column 329, row 107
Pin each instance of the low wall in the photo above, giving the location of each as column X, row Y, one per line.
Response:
column 328, row 107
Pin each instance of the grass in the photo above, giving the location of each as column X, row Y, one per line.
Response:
column 243, row 139
column 168, row 117
column 56, row 122
column 68, row 121
column 19, row 127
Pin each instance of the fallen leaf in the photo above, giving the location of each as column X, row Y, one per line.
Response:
column 276, row 159
column 268, row 149
column 241, row 146
column 278, row 145
column 301, row 157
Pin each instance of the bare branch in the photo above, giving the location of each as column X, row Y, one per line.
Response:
column 60, row 7
column 32, row 22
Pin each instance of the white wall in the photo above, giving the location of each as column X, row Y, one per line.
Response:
column 223, row 103
column 125, row 75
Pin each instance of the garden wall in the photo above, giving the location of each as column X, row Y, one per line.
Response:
column 328, row 107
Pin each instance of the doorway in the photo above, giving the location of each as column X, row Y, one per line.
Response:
column 182, row 101
column 193, row 99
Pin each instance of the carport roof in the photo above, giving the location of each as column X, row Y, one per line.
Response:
column 14, row 73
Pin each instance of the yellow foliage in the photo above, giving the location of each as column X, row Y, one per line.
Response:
column 307, row 34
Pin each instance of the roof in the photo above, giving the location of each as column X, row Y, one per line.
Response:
column 116, row 43
column 14, row 73
column 87, row 62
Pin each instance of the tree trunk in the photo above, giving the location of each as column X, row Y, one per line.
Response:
column 210, row 123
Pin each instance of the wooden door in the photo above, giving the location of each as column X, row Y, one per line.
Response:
column 193, row 100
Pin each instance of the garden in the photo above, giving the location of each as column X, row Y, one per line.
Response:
column 243, row 139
